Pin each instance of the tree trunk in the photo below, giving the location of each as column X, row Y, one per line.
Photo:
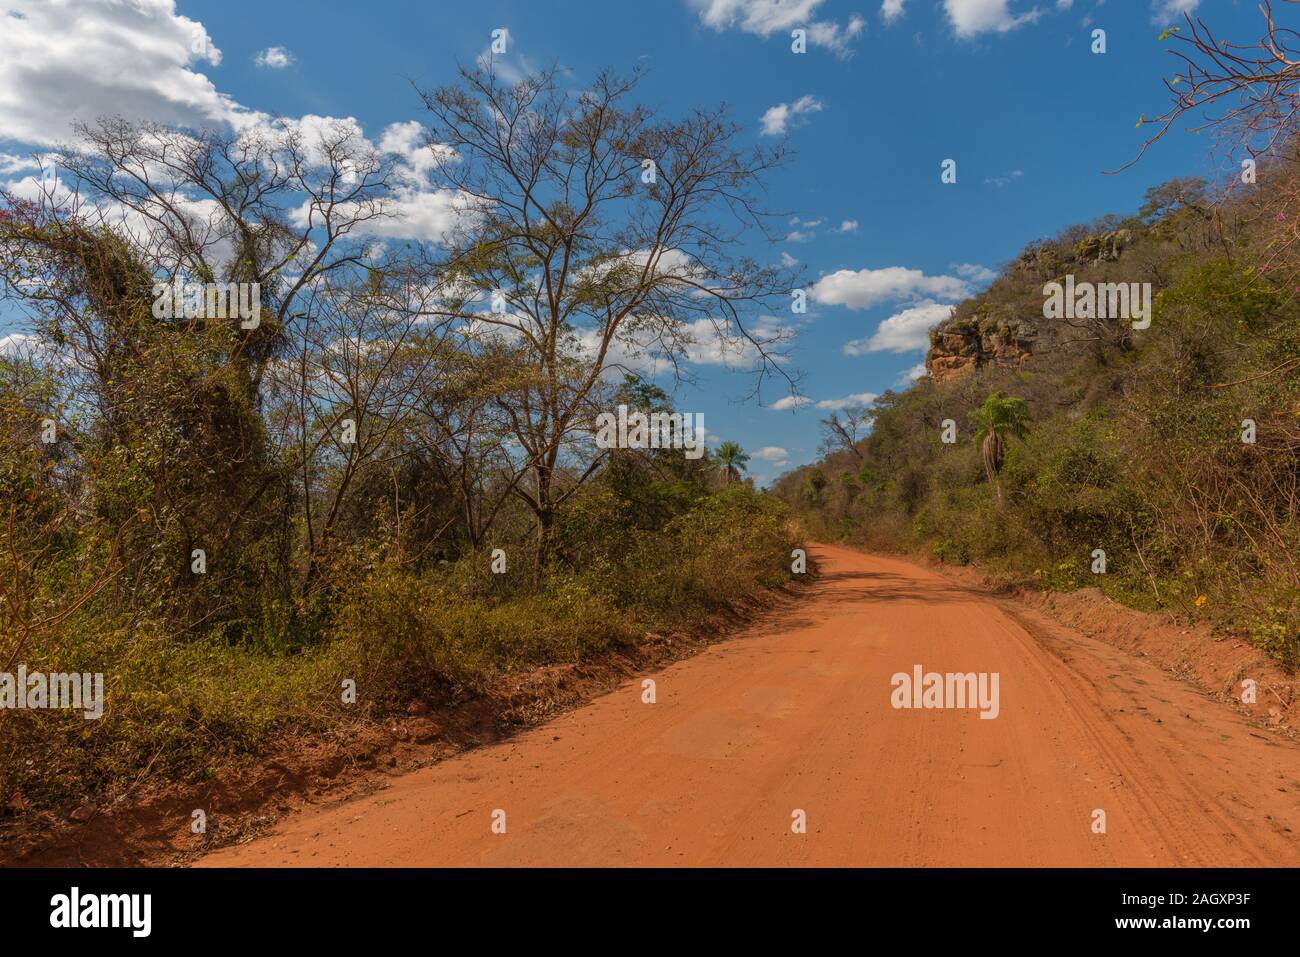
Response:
column 992, row 454
column 545, row 512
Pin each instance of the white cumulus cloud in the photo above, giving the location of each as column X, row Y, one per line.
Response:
column 864, row 288
column 776, row 121
column 975, row 273
column 274, row 58
column 76, row 60
column 972, row 17
column 857, row 398
column 1167, row 9
column 766, row 17
column 905, row 331
column 911, row 375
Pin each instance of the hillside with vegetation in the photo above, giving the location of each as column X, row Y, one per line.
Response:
column 1174, row 449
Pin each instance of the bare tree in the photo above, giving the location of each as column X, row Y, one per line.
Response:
column 1254, row 87
column 362, row 361
column 273, row 204
column 596, row 231
column 844, row 434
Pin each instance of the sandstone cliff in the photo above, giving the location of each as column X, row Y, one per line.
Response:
column 1004, row 326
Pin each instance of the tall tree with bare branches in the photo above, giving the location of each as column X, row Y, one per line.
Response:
column 592, row 231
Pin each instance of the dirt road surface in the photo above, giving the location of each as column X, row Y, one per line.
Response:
column 795, row 714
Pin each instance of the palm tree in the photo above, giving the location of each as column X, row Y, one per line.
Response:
column 732, row 460
column 1000, row 416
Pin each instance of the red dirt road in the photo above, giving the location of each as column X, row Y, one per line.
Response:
column 796, row 713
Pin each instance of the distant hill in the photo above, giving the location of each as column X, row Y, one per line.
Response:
column 1173, row 449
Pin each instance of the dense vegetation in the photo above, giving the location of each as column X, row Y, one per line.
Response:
column 390, row 480
column 1086, row 434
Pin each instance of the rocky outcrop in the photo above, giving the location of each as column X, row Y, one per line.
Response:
column 960, row 346
column 1106, row 247
column 984, row 334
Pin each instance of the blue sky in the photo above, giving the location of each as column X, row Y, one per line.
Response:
column 1008, row 88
